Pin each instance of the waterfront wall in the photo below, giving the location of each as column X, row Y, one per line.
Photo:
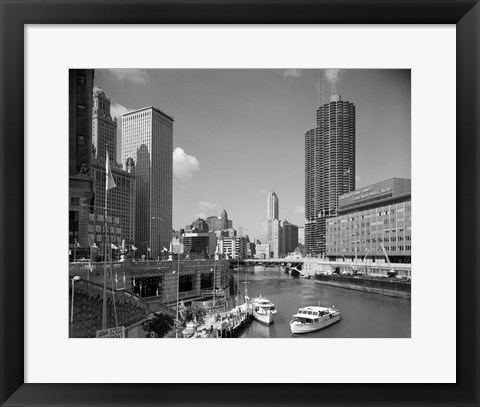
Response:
column 379, row 286
column 158, row 276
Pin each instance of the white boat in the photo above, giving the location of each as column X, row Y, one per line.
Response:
column 263, row 310
column 310, row 319
column 189, row 330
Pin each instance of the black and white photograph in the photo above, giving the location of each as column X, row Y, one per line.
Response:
column 239, row 203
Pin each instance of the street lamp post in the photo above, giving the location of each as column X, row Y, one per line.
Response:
column 76, row 278
column 178, row 285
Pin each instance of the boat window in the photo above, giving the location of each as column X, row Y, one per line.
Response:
column 309, row 312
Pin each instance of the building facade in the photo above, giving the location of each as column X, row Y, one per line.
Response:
column 80, row 192
column 104, row 128
column 121, row 199
column 289, row 237
column 121, row 205
column 262, row 251
column 232, row 247
column 370, row 217
column 329, row 168
column 199, row 244
column 147, row 138
column 272, row 206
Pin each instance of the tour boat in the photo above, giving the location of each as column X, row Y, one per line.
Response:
column 189, row 330
column 263, row 310
column 310, row 319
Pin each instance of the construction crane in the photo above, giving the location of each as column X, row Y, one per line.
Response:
column 391, row 272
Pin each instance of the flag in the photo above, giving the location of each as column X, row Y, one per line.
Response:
column 94, row 246
column 165, row 249
column 123, row 246
column 148, row 248
column 77, row 244
column 114, row 247
column 110, row 182
column 133, row 247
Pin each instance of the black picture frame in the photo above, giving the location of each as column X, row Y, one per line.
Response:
column 15, row 14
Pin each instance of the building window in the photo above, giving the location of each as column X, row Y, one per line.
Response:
column 73, row 227
column 75, row 201
column 81, row 110
column 80, row 140
column 81, row 80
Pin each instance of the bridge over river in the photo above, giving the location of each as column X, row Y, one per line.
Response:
column 310, row 266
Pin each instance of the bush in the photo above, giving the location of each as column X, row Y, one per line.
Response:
column 159, row 325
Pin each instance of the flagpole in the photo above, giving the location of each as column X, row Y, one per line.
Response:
column 104, row 314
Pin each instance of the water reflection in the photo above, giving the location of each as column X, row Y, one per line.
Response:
column 364, row 315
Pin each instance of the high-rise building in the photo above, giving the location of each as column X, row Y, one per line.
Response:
column 224, row 220
column 369, row 218
column 272, row 205
column 213, row 223
column 80, row 157
column 104, row 128
column 289, row 237
column 273, row 236
column 272, row 226
column 147, row 138
column 121, row 199
column 329, row 168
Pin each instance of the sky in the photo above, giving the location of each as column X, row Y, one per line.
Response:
column 238, row 134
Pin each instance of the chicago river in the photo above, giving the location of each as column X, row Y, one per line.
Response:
column 364, row 315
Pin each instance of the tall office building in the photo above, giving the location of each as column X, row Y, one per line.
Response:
column 329, row 167
column 272, row 226
column 104, row 128
column 80, row 85
column 289, row 237
column 121, row 199
column 272, row 205
column 224, row 220
column 147, row 138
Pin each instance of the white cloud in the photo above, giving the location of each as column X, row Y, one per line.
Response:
column 200, row 215
column 299, row 209
column 357, row 177
column 295, row 73
column 207, row 205
column 184, row 165
column 263, row 191
column 136, row 76
column 332, row 74
column 117, row 110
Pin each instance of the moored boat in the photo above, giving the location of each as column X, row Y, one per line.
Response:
column 310, row 319
column 263, row 310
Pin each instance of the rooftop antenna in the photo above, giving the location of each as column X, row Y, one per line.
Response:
column 320, row 89
column 334, row 81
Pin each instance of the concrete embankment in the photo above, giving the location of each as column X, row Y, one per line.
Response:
column 391, row 288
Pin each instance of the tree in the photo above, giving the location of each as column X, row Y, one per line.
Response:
column 197, row 314
column 160, row 324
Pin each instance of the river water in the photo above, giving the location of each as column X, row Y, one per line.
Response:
column 364, row 315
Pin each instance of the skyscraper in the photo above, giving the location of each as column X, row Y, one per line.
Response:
column 329, row 167
column 224, row 220
column 104, row 128
column 147, row 138
column 80, row 85
column 272, row 226
column 121, row 199
column 272, row 205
